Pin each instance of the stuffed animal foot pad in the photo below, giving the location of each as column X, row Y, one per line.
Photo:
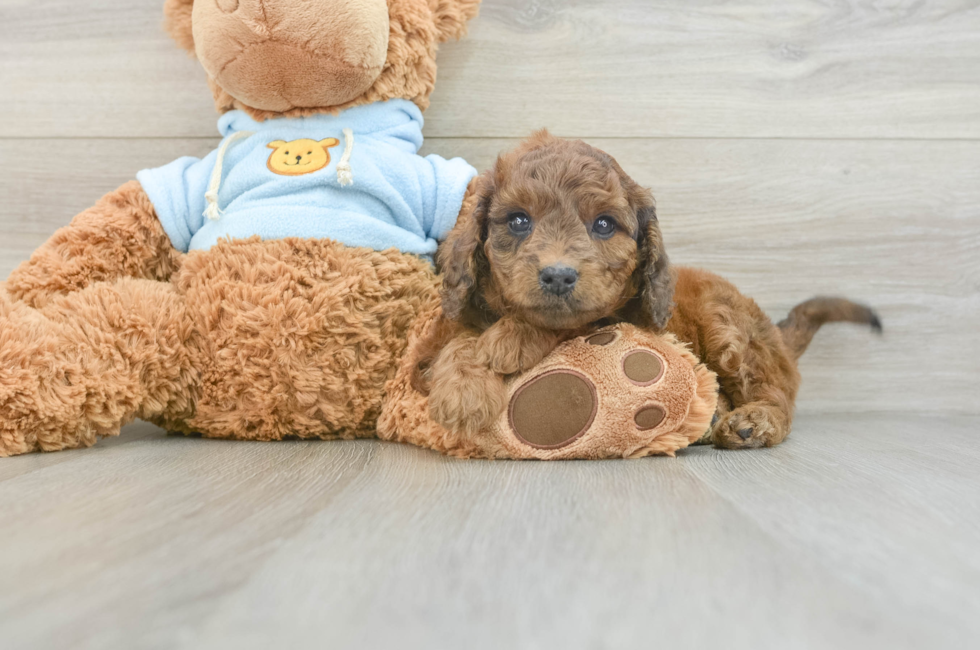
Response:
column 618, row 393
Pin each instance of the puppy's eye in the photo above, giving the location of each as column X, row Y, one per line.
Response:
column 519, row 223
column 604, row 227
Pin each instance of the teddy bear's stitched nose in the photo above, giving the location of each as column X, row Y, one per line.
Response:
column 276, row 56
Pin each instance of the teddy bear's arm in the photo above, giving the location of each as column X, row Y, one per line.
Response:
column 120, row 236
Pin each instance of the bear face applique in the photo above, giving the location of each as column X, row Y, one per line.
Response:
column 300, row 157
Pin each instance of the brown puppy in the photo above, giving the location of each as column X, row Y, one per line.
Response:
column 559, row 239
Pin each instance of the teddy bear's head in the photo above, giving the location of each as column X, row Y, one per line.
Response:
column 299, row 57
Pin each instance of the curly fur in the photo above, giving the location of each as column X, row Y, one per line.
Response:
column 563, row 186
column 755, row 360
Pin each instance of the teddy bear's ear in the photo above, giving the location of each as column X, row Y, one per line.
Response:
column 329, row 142
column 451, row 17
column 275, row 144
column 177, row 21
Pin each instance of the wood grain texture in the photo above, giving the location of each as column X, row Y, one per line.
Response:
column 627, row 68
column 893, row 224
column 853, row 534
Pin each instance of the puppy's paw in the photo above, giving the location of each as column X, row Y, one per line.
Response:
column 518, row 359
column 749, row 426
column 468, row 405
column 510, row 347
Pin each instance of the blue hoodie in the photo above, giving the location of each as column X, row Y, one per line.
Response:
column 356, row 178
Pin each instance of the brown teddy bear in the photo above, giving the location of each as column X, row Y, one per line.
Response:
column 277, row 287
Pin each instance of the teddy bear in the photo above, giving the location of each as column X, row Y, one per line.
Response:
column 278, row 287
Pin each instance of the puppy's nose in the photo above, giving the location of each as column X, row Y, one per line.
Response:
column 558, row 279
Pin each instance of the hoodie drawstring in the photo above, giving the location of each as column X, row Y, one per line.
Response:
column 213, row 212
column 345, row 175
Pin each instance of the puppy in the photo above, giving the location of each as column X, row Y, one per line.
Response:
column 559, row 240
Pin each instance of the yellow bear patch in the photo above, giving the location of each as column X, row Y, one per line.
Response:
column 300, row 156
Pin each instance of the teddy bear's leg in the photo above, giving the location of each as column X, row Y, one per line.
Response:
column 118, row 237
column 91, row 361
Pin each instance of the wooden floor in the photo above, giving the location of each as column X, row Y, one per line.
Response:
column 798, row 147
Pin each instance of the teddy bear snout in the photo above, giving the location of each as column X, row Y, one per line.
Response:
column 262, row 53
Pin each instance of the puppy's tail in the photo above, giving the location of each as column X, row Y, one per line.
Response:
column 807, row 317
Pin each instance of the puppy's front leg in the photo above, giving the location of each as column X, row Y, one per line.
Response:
column 468, row 392
column 510, row 346
column 466, row 396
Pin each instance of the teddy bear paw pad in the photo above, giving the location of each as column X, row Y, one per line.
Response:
column 643, row 368
column 649, row 417
column 601, row 339
column 554, row 409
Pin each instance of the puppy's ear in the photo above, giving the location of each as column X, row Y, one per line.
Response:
column 653, row 281
column 462, row 259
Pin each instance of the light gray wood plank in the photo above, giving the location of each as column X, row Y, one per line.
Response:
column 890, row 504
column 100, row 67
column 850, row 535
column 594, row 555
column 584, row 67
column 133, row 546
column 894, row 224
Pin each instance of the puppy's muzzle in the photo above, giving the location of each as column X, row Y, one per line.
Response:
column 558, row 280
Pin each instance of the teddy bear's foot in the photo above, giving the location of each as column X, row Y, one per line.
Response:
column 620, row 392
column 751, row 425
column 89, row 362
